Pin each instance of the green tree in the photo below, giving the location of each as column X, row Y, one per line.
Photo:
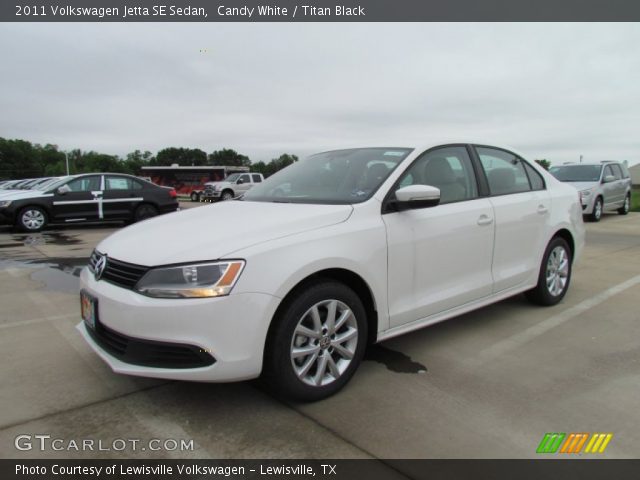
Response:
column 182, row 156
column 228, row 157
column 544, row 163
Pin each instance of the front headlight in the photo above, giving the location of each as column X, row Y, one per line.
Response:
column 5, row 203
column 199, row 280
column 585, row 193
column 216, row 188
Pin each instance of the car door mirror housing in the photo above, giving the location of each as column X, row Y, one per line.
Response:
column 608, row 179
column 240, row 181
column 63, row 189
column 417, row 196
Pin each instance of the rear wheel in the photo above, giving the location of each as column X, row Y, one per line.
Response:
column 317, row 342
column 624, row 209
column 195, row 197
column 32, row 219
column 145, row 211
column 596, row 215
column 555, row 274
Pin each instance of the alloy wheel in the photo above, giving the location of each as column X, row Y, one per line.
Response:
column 324, row 343
column 557, row 271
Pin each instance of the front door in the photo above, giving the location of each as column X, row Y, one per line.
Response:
column 439, row 257
column 78, row 200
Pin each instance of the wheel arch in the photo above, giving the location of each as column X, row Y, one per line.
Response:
column 566, row 235
column 346, row 277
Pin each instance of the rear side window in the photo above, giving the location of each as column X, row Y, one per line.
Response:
column 535, row 179
column 117, row 183
column 625, row 171
column 256, row 178
column 505, row 171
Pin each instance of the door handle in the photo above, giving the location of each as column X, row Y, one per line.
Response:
column 542, row 209
column 485, row 220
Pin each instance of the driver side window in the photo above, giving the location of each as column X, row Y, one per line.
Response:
column 85, row 184
column 448, row 169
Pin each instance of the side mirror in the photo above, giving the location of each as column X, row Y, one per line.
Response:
column 63, row 189
column 417, row 196
column 240, row 181
column 608, row 179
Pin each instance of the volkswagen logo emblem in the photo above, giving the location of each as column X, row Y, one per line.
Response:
column 98, row 269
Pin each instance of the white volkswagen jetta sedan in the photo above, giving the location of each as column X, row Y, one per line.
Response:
column 332, row 253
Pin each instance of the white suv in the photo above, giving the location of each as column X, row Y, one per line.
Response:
column 328, row 255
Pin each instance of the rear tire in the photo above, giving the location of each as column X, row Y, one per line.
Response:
column 316, row 343
column 195, row 197
column 596, row 215
column 624, row 209
column 31, row 219
column 555, row 274
column 144, row 211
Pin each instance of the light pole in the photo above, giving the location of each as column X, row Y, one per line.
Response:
column 66, row 158
column 580, row 158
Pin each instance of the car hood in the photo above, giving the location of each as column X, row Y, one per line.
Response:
column 216, row 231
column 582, row 185
column 213, row 184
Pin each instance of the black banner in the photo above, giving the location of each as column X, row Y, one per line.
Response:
column 319, row 11
column 565, row 469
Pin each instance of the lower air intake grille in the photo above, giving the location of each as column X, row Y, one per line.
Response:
column 149, row 353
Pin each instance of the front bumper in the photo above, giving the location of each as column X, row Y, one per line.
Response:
column 232, row 329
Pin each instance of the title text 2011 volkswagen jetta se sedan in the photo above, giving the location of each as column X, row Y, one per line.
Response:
column 334, row 252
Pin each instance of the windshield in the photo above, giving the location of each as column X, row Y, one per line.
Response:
column 233, row 177
column 337, row 177
column 577, row 173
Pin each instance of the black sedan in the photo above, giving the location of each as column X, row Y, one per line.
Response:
column 91, row 197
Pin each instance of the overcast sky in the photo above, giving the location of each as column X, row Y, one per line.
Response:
column 553, row 91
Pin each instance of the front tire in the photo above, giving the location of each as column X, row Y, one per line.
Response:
column 624, row 209
column 227, row 195
column 317, row 342
column 596, row 215
column 31, row 219
column 555, row 274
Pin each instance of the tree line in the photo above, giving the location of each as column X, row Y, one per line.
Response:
column 23, row 159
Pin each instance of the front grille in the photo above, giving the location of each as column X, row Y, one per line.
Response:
column 149, row 353
column 119, row 273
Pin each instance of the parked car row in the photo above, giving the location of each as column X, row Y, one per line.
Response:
column 91, row 197
column 604, row 186
column 324, row 257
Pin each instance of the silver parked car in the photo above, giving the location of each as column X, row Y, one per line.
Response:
column 602, row 186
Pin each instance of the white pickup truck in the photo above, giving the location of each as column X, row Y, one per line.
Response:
column 233, row 186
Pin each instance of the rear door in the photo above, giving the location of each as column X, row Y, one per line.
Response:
column 122, row 195
column 620, row 184
column 81, row 202
column 610, row 190
column 521, row 204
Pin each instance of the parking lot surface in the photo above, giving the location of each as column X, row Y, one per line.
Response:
column 488, row 384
